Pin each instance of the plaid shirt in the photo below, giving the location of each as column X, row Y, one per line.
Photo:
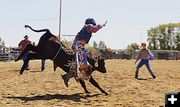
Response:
column 144, row 54
column 23, row 44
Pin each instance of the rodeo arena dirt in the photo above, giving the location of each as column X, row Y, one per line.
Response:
column 96, row 53
column 38, row 89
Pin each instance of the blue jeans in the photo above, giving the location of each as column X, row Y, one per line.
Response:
column 24, row 58
column 82, row 57
column 144, row 62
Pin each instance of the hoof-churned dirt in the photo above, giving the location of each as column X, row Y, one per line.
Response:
column 35, row 88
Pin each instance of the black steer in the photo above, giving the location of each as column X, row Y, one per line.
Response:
column 49, row 47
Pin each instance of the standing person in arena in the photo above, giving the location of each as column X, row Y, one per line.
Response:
column 43, row 64
column 22, row 45
column 82, row 38
column 145, row 55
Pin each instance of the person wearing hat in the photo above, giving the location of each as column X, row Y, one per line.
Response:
column 82, row 38
column 22, row 45
column 145, row 55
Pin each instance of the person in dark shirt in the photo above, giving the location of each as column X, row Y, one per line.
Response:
column 82, row 38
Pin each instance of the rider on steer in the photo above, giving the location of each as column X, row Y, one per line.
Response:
column 81, row 39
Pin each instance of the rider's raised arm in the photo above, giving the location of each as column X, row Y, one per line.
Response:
column 93, row 29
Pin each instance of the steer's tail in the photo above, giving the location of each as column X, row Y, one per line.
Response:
column 42, row 30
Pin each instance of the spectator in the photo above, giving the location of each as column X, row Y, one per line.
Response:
column 22, row 45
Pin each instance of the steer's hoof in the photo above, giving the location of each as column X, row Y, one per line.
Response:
column 87, row 92
column 65, row 80
column 27, row 69
column 21, row 72
column 106, row 93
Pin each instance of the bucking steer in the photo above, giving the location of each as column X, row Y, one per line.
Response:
column 49, row 47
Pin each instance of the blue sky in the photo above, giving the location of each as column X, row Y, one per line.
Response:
column 128, row 20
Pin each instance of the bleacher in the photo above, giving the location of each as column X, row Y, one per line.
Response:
column 7, row 54
column 4, row 57
column 161, row 54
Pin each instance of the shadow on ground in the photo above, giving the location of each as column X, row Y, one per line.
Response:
column 34, row 71
column 17, row 70
column 144, row 78
column 74, row 97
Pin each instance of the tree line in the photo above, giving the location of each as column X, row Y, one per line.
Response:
column 162, row 37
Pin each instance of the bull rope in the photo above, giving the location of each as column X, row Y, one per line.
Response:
column 58, row 51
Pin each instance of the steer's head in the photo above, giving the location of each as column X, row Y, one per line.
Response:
column 101, row 65
column 84, row 72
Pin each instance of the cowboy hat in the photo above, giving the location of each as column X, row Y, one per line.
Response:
column 26, row 36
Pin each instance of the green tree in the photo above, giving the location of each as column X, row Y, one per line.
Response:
column 152, row 37
column 132, row 47
column 164, row 37
column 95, row 45
column 102, row 45
column 170, row 35
column 178, row 46
column 3, row 43
column 67, row 43
column 177, row 41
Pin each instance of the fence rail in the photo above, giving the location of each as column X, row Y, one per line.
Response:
column 4, row 57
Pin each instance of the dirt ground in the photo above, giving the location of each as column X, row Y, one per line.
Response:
column 40, row 89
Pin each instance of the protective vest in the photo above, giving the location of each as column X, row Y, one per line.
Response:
column 83, row 35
